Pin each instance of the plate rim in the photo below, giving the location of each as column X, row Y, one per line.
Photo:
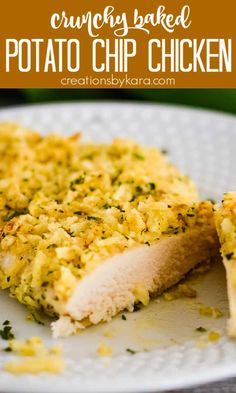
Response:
column 113, row 102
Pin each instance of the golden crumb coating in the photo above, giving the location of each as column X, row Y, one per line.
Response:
column 67, row 206
column 225, row 218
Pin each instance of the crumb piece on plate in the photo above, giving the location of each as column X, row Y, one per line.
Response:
column 104, row 350
column 208, row 311
column 180, row 291
column 40, row 358
column 213, row 336
column 49, row 363
column 33, row 346
column 202, row 268
column 184, row 290
column 168, row 296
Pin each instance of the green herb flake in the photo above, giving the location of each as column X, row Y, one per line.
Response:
column 120, row 208
column 201, row 329
column 35, row 317
column 164, row 151
column 94, row 218
column 7, row 349
column 123, row 317
column 151, row 186
column 6, row 332
column 131, row 351
column 211, row 200
column 106, row 206
column 137, row 307
column 138, row 156
column 138, row 189
column 14, row 214
column 88, row 156
column 79, row 180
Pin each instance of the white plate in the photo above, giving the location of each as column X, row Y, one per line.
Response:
column 202, row 144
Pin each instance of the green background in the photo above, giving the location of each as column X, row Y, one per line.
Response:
column 217, row 99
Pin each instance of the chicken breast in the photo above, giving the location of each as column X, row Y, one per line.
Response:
column 225, row 218
column 117, row 283
column 88, row 230
column 134, row 276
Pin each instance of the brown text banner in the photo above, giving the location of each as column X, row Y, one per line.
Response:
column 118, row 44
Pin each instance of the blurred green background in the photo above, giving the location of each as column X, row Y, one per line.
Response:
column 218, row 99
